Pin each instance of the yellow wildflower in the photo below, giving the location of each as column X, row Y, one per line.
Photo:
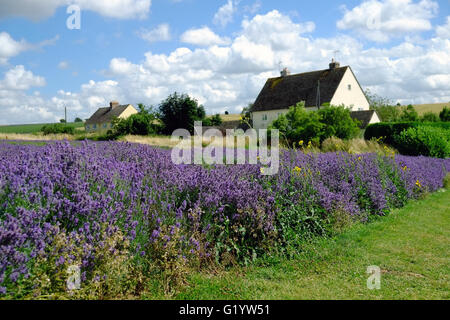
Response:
column 359, row 158
column 297, row 170
column 418, row 184
column 262, row 170
column 300, row 143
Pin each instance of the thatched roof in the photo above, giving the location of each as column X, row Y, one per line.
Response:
column 284, row 92
column 363, row 117
column 105, row 115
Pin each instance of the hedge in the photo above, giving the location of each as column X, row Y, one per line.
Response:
column 387, row 130
column 425, row 140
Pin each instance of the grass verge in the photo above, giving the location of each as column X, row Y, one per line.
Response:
column 411, row 246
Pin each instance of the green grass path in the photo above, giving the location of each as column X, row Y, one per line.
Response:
column 411, row 246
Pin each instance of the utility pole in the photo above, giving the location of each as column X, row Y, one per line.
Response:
column 65, row 114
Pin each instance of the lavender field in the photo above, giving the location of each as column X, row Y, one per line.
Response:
column 124, row 213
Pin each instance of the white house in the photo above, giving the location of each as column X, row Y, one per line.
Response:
column 336, row 85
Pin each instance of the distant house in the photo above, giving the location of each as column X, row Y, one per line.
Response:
column 101, row 120
column 336, row 85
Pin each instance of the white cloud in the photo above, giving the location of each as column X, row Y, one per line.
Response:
column 63, row 65
column 444, row 31
column 203, row 37
column 18, row 78
column 42, row 9
column 160, row 33
column 225, row 14
column 381, row 20
column 16, row 105
column 10, row 48
column 252, row 9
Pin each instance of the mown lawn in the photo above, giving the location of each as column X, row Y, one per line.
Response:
column 411, row 246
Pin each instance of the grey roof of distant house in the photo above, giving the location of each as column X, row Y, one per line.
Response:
column 284, row 92
column 363, row 117
column 107, row 114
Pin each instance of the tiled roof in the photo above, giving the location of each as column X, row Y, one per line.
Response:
column 284, row 92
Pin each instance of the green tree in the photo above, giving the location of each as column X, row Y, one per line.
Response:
column 384, row 107
column 409, row 114
column 299, row 124
column 78, row 120
column 180, row 111
column 215, row 120
column 141, row 123
column 338, row 123
column 445, row 114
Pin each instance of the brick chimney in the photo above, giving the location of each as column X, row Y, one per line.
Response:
column 113, row 104
column 334, row 64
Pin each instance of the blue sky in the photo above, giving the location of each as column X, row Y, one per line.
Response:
column 220, row 52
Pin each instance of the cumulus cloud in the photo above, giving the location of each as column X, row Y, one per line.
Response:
column 203, row 37
column 10, row 48
column 16, row 104
column 160, row 33
column 381, row 20
column 18, row 78
column 443, row 31
column 42, row 9
column 225, row 14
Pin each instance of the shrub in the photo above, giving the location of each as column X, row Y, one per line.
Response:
column 409, row 114
column 385, row 131
column 57, row 128
column 299, row 124
column 338, row 122
column 215, row 120
column 430, row 117
column 302, row 125
column 445, row 114
column 140, row 124
column 426, row 141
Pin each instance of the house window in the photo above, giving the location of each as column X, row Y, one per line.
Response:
column 104, row 125
column 87, row 127
column 94, row 126
column 264, row 117
column 349, row 87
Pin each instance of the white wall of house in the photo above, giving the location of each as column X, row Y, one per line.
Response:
column 350, row 94
column 259, row 117
column 375, row 119
column 262, row 119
